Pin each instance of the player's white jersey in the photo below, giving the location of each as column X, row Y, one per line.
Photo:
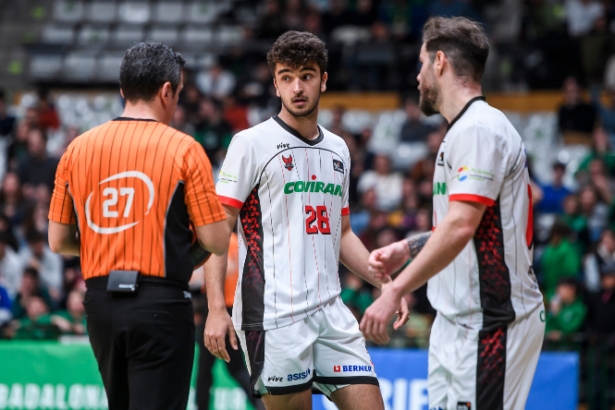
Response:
column 482, row 159
column 292, row 193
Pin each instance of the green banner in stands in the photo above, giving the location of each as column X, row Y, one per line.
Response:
column 42, row 375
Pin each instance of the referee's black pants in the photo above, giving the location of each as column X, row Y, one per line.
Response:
column 143, row 343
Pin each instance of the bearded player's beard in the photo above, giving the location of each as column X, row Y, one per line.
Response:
column 429, row 99
column 306, row 112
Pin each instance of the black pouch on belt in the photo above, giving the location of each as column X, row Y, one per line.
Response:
column 123, row 281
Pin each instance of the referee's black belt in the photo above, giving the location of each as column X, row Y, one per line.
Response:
column 100, row 282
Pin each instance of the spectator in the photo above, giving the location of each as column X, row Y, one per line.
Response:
column 313, row 24
column 31, row 117
column 366, row 13
column 554, row 193
column 338, row 15
column 271, row 24
column 6, row 307
column 213, row 132
column 573, row 218
column 567, row 311
column 356, row 294
column 414, row 129
column 601, row 304
column 366, row 209
column 215, row 81
column 235, row 114
column 386, row 183
column 594, row 262
column 30, row 287
column 294, row 12
column 11, row 266
column 36, row 218
column 37, row 168
column 180, row 121
column 606, row 113
column 594, row 211
column 574, row 114
column 72, row 321
column 12, row 202
column 37, row 324
column 6, row 227
column 48, row 264
column 600, row 149
column 47, row 114
column 18, row 150
column 424, row 168
column 190, row 99
column 7, row 122
column 259, row 89
column 596, row 47
column 582, row 15
column 560, row 259
column 404, row 218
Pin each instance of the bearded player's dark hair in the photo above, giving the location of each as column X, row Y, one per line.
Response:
column 297, row 49
column 463, row 41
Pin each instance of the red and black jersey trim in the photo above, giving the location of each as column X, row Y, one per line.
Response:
column 493, row 274
column 253, row 275
column 498, row 312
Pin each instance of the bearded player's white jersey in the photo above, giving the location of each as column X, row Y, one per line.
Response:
column 491, row 282
column 292, row 193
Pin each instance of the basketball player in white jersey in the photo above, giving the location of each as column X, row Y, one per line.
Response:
column 286, row 180
column 489, row 328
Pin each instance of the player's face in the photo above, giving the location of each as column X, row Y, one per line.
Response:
column 428, row 87
column 299, row 88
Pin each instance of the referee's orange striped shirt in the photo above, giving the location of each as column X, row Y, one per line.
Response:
column 133, row 187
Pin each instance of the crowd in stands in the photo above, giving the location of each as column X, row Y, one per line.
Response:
column 41, row 293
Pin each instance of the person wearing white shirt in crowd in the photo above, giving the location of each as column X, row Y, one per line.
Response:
column 581, row 16
column 386, row 183
column 11, row 266
column 216, row 81
column 49, row 264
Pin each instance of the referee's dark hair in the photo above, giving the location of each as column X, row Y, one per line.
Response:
column 146, row 67
column 463, row 41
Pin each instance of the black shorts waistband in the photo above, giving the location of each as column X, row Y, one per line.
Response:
column 100, row 282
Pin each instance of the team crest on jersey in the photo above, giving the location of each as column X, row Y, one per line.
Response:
column 440, row 161
column 338, row 166
column 464, row 405
column 288, row 162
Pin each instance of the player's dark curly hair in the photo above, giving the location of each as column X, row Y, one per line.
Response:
column 462, row 40
column 296, row 49
column 146, row 67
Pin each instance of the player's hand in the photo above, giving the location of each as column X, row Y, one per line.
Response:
column 387, row 260
column 377, row 316
column 402, row 314
column 217, row 327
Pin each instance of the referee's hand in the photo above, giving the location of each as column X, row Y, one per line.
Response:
column 218, row 325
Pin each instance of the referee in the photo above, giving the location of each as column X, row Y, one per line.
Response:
column 126, row 195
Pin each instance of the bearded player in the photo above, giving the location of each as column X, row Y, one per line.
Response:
column 285, row 181
column 488, row 332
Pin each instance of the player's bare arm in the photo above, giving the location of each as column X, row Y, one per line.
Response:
column 389, row 260
column 444, row 244
column 63, row 239
column 355, row 257
column 219, row 323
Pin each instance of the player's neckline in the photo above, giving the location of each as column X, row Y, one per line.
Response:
column 296, row 134
column 134, row 119
column 464, row 109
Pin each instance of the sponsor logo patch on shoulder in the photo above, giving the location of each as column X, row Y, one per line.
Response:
column 464, row 405
column 338, row 166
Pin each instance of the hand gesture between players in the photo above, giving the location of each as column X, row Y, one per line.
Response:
column 389, row 259
column 377, row 316
column 218, row 325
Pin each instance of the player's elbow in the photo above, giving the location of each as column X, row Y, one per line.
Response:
column 214, row 237
column 55, row 247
